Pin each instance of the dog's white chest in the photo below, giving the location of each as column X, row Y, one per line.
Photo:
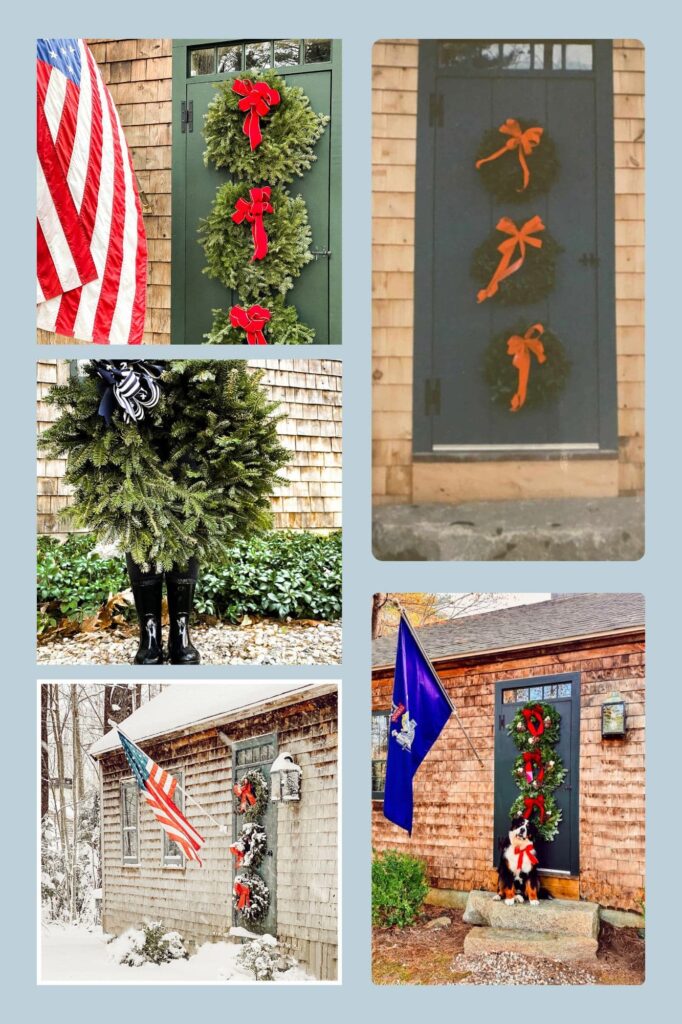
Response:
column 519, row 863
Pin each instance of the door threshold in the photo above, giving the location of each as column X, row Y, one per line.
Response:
column 509, row 453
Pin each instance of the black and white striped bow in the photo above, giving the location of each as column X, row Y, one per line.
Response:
column 131, row 384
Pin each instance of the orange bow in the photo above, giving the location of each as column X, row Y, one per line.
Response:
column 519, row 236
column 524, row 142
column 520, row 347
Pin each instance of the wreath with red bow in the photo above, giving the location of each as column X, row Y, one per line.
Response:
column 287, row 125
column 538, row 770
column 504, row 175
column 250, row 896
column 250, row 846
column 283, row 327
column 251, row 795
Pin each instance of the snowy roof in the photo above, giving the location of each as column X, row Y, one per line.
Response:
column 188, row 707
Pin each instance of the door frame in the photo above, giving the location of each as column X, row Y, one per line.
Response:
column 180, row 78
column 426, row 389
column 573, row 767
column 243, row 744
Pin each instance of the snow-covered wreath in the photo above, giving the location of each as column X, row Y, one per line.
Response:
column 538, row 770
column 250, row 896
column 250, row 846
column 251, row 795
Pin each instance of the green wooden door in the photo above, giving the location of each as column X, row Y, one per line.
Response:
column 317, row 293
column 258, row 752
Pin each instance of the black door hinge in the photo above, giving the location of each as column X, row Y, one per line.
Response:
column 436, row 109
column 187, row 116
column 432, row 396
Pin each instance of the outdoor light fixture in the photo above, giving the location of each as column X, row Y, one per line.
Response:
column 285, row 777
column 613, row 722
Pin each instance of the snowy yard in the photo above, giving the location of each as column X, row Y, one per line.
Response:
column 75, row 954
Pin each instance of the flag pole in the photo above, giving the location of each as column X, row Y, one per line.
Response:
column 405, row 619
column 187, row 796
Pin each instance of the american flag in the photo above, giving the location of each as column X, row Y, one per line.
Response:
column 92, row 247
column 159, row 786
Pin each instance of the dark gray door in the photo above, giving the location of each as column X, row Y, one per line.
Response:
column 563, row 853
column 465, row 90
column 259, row 752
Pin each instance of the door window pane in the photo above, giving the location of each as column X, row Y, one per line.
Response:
column 516, row 56
column 535, row 693
column 509, row 696
column 318, row 51
column 564, row 689
column 287, row 52
column 556, row 57
column 258, row 55
column 551, row 692
column 539, row 56
column 522, row 695
column 578, row 57
column 202, row 62
column 229, row 59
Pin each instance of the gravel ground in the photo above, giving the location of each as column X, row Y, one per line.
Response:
column 515, row 969
column 261, row 643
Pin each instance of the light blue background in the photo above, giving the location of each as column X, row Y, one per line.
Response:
column 657, row 575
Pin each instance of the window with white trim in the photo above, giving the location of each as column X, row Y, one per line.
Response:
column 130, row 822
column 171, row 854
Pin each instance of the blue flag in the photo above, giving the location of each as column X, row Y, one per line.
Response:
column 420, row 710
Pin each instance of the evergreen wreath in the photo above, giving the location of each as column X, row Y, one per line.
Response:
column 538, row 770
column 193, row 476
column 546, row 381
column 533, row 281
column 251, row 807
column 290, row 131
column 250, row 896
column 503, row 177
column 251, row 845
column 229, row 247
column 283, row 328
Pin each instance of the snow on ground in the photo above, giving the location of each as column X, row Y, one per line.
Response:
column 72, row 953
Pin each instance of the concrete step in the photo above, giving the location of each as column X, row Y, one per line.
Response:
column 553, row 917
column 564, row 947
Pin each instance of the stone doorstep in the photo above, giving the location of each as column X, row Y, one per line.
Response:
column 552, row 917
column 530, row 943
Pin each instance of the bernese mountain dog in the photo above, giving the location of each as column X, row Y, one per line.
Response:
column 517, row 872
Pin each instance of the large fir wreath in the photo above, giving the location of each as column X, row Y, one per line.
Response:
column 283, row 328
column 195, row 474
column 538, row 770
column 251, row 809
column 251, row 845
column 229, row 247
column 533, row 281
column 546, row 380
column 290, row 131
column 252, row 904
column 503, row 177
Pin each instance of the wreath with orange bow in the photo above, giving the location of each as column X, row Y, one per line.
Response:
column 250, row 795
column 538, row 770
column 514, row 274
column 525, row 367
column 517, row 161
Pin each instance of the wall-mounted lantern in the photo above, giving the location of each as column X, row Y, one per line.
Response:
column 613, row 719
column 285, row 778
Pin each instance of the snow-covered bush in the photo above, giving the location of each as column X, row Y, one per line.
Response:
column 264, row 960
column 151, row 944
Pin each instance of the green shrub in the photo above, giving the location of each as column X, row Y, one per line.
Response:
column 399, row 888
column 275, row 575
column 151, row 944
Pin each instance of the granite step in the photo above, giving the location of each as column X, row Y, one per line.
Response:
column 564, row 947
column 555, row 917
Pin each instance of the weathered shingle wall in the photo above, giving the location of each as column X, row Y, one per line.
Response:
column 310, row 393
column 138, row 74
column 453, row 822
column 197, row 901
column 396, row 478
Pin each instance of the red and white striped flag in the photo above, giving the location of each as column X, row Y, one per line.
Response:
column 92, row 247
column 159, row 787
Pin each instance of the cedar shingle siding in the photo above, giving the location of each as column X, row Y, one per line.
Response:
column 453, row 824
column 197, row 901
column 396, row 478
column 310, row 393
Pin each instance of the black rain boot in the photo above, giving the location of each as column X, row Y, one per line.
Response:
column 148, row 592
column 180, row 587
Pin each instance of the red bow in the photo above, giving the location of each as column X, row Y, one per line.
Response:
column 531, row 757
column 237, row 851
column 252, row 212
column 529, row 851
column 529, row 802
column 245, row 794
column 244, row 893
column 535, row 722
column 251, row 320
column 258, row 98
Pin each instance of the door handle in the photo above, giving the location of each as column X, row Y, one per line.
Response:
column 316, row 253
column 589, row 259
